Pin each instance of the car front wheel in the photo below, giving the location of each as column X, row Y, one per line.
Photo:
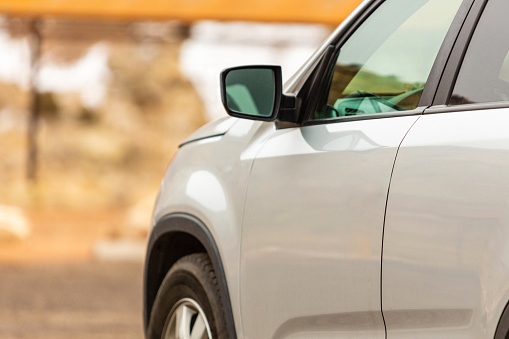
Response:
column 188, row 303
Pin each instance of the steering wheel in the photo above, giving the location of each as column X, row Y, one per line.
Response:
column 363, row 102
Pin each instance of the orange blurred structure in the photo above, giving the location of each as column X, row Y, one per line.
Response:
column 329, row 12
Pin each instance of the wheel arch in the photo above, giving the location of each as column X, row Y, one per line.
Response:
column 173, row 237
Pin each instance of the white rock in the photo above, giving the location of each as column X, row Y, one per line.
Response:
column 120, row 250
column 14, row 222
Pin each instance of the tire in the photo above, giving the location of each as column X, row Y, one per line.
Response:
column 188, row 300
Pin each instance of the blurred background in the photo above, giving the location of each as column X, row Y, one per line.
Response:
column 94, row 100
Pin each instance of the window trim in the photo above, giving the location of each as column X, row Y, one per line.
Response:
column 467, row 107
column 444, row 54
column 457, row 55
column 418, row 111
column 432, row 84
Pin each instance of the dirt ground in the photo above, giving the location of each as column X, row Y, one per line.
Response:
column 71, row 300
column 51, row 286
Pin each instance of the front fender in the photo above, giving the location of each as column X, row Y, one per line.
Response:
column 208, row 180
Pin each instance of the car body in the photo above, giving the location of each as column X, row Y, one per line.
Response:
column 369, row 198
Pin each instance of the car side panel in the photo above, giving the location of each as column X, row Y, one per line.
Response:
column 445, row 271
column 208, row 180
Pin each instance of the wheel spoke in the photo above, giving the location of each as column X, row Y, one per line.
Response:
column 199, row 330
column 187, row 321
column 178, row 319
column 183, row 328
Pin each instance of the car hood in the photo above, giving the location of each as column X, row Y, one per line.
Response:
column 216, row 128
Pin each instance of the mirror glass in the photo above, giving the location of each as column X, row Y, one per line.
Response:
column 251, row 91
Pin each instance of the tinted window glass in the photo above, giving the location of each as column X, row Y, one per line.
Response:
column 384, row 65
column 484, row 74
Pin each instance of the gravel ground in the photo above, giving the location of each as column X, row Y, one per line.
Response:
column 71, row 300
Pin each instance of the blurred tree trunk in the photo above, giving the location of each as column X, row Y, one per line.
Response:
column 35, row 50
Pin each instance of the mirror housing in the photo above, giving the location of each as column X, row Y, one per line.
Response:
column 252, row 92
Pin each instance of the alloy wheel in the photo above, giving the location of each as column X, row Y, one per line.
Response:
column 187, row 321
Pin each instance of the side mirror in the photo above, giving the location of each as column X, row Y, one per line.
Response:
column 252, row 92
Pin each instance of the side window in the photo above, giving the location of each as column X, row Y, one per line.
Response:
column 384, row 65
column 484, row 74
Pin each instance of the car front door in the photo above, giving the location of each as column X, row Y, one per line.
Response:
column 315, row 206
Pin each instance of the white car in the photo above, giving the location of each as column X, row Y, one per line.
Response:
column 367, row 198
